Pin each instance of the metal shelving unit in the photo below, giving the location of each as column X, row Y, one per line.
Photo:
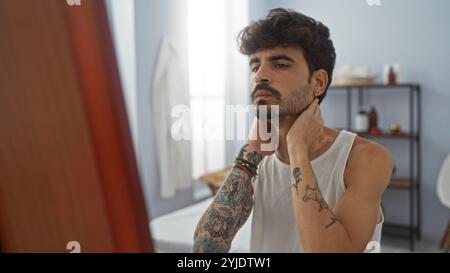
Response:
column 411, row 183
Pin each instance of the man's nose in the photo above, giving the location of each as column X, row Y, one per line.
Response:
column 263, row 76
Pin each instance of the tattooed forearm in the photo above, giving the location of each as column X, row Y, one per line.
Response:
column 297, row 178
column 229, row 211
column 202, row 244
column 314, row 194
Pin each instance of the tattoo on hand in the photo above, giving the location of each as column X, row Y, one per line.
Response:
column 243, row 151
column 254, row 157
column 297, row 178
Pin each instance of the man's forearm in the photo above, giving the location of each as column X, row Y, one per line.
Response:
column 319, row 228
column 229, row 210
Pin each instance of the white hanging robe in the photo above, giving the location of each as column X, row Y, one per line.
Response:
column 169, row 90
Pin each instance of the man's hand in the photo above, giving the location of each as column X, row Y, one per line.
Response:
column 259, row 143
column 306, row 130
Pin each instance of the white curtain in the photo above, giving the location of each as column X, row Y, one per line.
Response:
column 169, row 92
column 218, row 76
column 237, row 75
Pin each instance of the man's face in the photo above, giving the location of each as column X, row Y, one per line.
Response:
column 280, row 76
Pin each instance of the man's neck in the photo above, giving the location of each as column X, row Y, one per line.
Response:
column 318, row 148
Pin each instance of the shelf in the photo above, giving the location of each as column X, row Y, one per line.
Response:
column 389, row 135
column 409, row 184
column 376, row 86
column 404, row 135
column 400, row 230
column 401, row 183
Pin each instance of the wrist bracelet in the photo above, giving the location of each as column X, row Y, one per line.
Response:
column 243, row 168
column 241, row 160
column 246, row 166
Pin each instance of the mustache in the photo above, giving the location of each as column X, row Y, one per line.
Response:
column 265, row 86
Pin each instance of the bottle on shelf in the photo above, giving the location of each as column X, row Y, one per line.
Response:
column 392, row 77
column 373, row 122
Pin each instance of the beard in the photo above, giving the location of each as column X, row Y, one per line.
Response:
column 292, row 104
column 297, row 101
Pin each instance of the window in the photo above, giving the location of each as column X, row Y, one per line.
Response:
column 212, row 30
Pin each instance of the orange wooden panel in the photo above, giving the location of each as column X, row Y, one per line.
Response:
column 67, row 168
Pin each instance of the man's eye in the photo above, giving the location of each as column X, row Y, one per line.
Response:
column 282, row 65
column 255, row 68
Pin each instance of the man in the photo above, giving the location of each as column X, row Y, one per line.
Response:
column 320, row 191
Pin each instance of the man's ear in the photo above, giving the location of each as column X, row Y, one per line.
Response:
column 320, row 82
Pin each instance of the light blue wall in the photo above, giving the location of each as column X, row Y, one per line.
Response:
column 416, row 34
column 155, row 18
column 412, row 32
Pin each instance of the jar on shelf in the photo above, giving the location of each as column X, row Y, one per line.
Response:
column 362, row 121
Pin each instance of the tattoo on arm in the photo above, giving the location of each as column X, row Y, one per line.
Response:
column 297, row 178
column 314, row 194
column 230, row 209
column 203, row 244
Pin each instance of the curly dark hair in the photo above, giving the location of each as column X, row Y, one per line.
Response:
column 284, row 27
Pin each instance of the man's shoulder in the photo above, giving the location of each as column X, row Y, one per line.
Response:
column 368, row 158
column 364, row 149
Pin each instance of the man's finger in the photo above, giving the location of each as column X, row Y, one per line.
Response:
column 318, row 112
column 317, row 106
column 312, row 106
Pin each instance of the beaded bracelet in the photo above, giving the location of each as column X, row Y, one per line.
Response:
column 246, row 162
column 246, row 166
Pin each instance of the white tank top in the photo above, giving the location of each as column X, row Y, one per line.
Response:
column 273, row 224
